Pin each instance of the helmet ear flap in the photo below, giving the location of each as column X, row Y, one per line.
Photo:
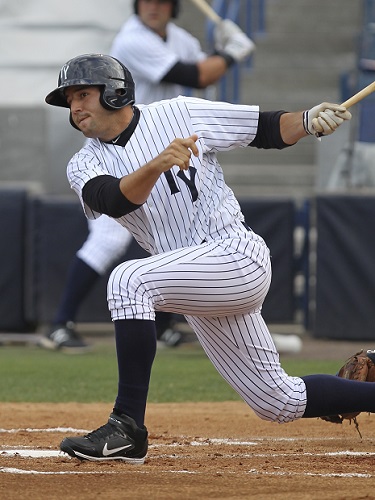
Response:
column 117, row 99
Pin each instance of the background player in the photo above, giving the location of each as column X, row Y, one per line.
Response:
column 164, row 59
column 154, row 169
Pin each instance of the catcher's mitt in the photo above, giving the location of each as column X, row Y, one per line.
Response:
column 361, row 367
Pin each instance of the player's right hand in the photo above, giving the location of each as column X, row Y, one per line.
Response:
column 177, row 153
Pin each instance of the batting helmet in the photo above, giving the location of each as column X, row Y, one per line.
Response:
column 114, row 79
column 176, row 7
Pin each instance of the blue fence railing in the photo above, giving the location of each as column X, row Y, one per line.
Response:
column 368, row 12
column 250, row 16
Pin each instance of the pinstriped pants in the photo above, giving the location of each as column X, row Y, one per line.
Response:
column 219, row 286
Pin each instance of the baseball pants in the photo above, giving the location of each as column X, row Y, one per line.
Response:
column 219, row 286
column 106, row 243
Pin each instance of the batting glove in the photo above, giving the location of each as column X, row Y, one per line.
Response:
column 231, row 40
column 239, row 46
column 223, row 31
column 325, row 118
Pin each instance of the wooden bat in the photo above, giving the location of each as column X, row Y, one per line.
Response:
column 359, row 95
column 207, row 10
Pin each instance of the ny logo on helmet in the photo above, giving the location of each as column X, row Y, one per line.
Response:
column 64, row 72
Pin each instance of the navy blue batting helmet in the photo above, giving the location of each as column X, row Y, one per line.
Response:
column 106, row 72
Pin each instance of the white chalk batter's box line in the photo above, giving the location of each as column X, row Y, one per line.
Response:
column 204, row 441
column 30, row 452
column 13, row 470
column 255, row 472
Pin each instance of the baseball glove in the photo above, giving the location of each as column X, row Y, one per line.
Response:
column 361, row 367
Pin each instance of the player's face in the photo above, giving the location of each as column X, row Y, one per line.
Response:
column 155, row 14
column 88, row 114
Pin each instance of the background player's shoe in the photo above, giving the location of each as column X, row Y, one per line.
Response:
column 119, row 439
column 63, row 337
column 170, row 338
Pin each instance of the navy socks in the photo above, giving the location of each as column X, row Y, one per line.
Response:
column 332, row 395
column 80, row 281
column 136, row 349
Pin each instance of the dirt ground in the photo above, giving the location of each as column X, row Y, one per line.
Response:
column 197, row 450
column 205, row 451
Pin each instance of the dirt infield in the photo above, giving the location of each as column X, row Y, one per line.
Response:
column 209, row 450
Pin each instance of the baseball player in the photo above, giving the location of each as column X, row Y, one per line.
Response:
column 163, row 59
column 153, row 168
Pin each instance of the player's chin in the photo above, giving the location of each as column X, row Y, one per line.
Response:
column 83, row 127
column 81, row 123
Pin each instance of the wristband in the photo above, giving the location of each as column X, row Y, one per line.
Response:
column 229, row 60
column 305, row 121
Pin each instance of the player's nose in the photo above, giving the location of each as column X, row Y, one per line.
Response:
column 74, row 106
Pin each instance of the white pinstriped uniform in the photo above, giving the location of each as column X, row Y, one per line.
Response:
column 105, row 244
column 205, row 264
column 132, row 45
column 107, row 241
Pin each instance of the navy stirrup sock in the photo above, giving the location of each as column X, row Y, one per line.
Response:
column 80, row 280
column 332, row 395
column 136, row 349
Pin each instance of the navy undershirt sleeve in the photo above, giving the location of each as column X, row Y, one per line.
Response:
column 183, row 74
column 187, row 74
column 102, row 194
column 268, row 134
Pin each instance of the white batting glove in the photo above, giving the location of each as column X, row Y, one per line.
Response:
column 325, row 118
column 223, row 31
column 239, row 46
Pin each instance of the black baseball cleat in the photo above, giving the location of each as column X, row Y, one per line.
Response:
column 119, row 439
column 63, row 337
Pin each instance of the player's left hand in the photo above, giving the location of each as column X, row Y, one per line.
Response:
column 325, row 118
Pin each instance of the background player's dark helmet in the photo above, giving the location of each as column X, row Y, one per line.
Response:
column 114, row 79
column 176, row 7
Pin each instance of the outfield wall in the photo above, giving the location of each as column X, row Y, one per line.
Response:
column 41, row 234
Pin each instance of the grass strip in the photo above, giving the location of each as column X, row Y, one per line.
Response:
column 31, row 374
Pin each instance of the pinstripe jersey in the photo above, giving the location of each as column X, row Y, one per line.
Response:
column 219, row 285
column 149, row 57
column 184, row 207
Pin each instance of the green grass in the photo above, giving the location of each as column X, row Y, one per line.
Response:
column 31, row 374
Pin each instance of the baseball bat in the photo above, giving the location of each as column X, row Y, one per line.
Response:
column 359, row 95
column 207, row 10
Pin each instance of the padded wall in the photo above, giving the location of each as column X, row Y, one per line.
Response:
column 345, row 274
column 12, row 250
column 274, row 220
column 59, row 230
